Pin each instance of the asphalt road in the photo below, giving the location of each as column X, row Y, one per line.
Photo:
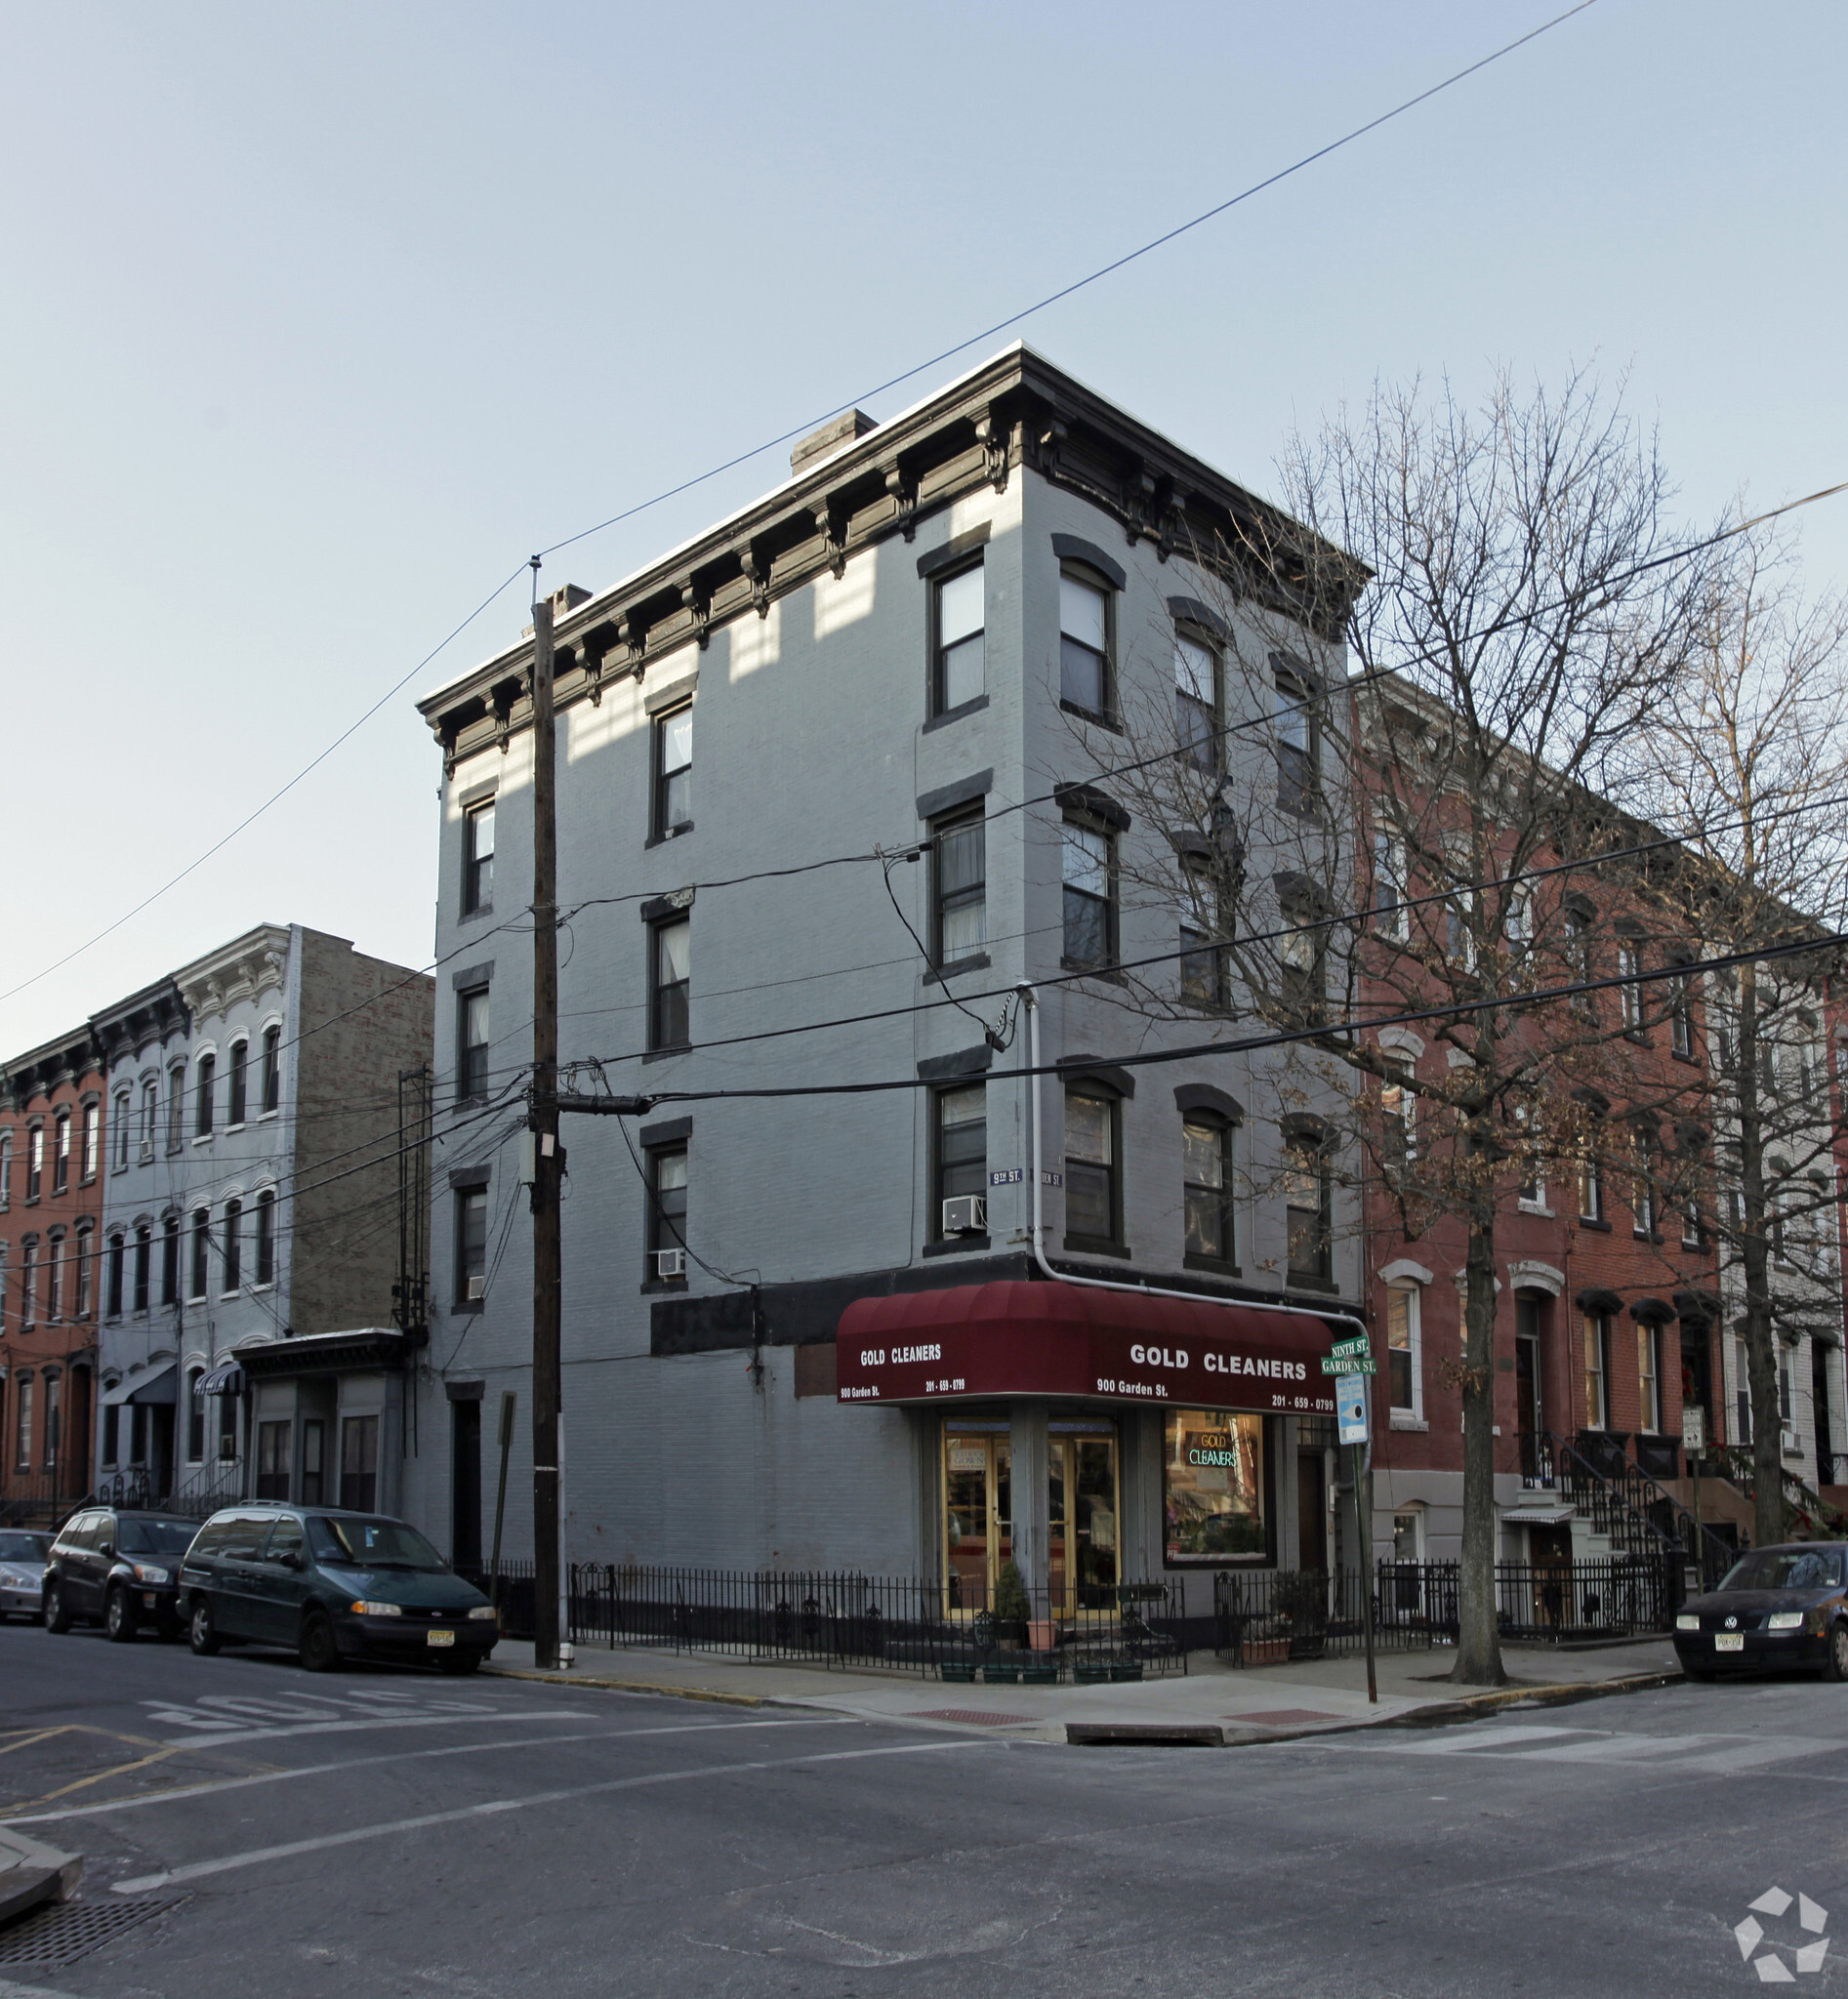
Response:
column 384, row 1832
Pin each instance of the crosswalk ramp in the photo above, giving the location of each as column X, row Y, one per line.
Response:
column 1716, row 1751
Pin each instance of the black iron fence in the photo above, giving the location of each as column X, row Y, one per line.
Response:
column 902, row 1623
column 1312, row 1614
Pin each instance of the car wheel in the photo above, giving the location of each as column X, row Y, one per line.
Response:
column 1837, row 1666
column 118, row 1615
column 456, row 1664
column 57, row 1616
column 316, row 1648
column 201, row 1629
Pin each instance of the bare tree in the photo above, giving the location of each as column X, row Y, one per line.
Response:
column 1340, row 849
column 1749, row 768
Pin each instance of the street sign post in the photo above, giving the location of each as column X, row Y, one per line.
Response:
column 1694, row 1444
column 1350, row 1420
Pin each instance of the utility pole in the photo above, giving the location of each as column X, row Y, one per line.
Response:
column 545, row 1156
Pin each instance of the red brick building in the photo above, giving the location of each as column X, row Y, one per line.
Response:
column 51, row 1210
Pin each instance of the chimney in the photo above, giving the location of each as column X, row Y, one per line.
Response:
column 833, row 434
column 564, row 600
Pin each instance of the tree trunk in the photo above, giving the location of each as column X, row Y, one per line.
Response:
column 1478, row 1638
column 1767, row 1410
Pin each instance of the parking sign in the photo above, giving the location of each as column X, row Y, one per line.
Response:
column 1350, row 1408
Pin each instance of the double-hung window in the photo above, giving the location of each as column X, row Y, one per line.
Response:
column 1086, row 613
column 1297, row 740
column 233, row 1246
column 472, row 1246
column 6, row 1169
column 237, row 1082
column 204, row 1088
column 1649, row 1376
column 55, row 1280
column 478, row 859
column 958, row 615
column 195, row 1416
column 471, row 1049
column 28, row 1284
column 266, row 1238
column 1308, row 1209
column 961, row 1147
column 673, row 771
column 121, row 1130
column 143, row 1264
column 960, row 872
column 86, row 1270
column 1093, row 1207
column 1391, row 915
column 114, row 1297
column 1205, row 1149
column 1303, row 961
column 671, row 976
column 1590, row 1181
column 170, row 1261
column 175, row 1106
column 1643, row 1188
column 273, row 1069
column 1597, row 1338
column 201, row 1252
column 1197, row 702
column 1398, row 1119
column 35, row 1163
column 1202, row 957
column 92, row 1141
column 1402, row 1349
column 1629, row 965
column 60, row 1156
column 150, row 1117
column 1088, row 873
column 667, row 1210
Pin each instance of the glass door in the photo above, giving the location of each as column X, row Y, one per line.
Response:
column 1083, row 1514
column 977, row 1514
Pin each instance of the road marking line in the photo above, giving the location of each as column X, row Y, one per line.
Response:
column 212, row 1787
column 1489, row 1739
column 83, row 1783
column 197, row 1870
column 379, row 1721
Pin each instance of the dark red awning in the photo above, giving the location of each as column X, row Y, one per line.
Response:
column 1018, row 1339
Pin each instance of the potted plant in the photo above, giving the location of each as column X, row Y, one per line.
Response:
column 1299, row 1605
column 1012, row 1611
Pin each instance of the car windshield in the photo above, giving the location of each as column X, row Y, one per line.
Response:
column 25, row 1547
column 153, row 1536
column 372, row 1545
column 1786, row 1569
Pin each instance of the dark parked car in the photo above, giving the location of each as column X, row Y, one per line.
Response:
column 119, row 1569
column 22, row 1555
column 1784, row 1608
column 331, row 1586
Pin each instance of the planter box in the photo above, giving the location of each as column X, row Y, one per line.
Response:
column 1266, row 1652
column 958, row 1672
column 1039, row 1634
column 1090, row 1673
column 1046, row 1675
column 1127, row 1669
column 1001, row 1676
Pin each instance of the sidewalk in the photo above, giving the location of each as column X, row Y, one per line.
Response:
column 1262, row 1703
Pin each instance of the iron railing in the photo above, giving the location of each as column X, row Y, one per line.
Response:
column 901, row 1623
column 1618, row 1596
column 1310, row 1613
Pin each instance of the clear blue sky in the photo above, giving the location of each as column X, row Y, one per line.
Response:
column 318, row 320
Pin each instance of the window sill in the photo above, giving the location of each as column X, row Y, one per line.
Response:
column 1404, row 1419
column 663, row 1286
column 469, row 1308
column 202, row 1139
column 660, row 840
column 1676, row 1056
column 1194, row 1259
column 238, row 1126
column 485, row 909
column 1107, row 972
column 1304, row 1280
column 667, row 1054
column 1095, row 1245
column 1586, row 1222
column 953, row 1246
column 274, row 1111
column 1646, row 1235
column 980, row 962
column 956, row 713
column 1539, row 1207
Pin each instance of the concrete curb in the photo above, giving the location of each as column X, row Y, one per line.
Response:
column 633, row 1687
column 32, row 1874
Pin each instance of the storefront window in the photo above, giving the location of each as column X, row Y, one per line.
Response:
column 1213, row 1487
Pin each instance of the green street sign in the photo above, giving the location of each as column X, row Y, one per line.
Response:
column 1355, row 1343
column 1350, row 1364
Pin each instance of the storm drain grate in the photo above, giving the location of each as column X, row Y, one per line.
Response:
column 67, row 1931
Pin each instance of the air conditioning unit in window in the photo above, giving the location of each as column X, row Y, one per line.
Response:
column 669, row 1263
column 965, row 1214
column 477, row 1289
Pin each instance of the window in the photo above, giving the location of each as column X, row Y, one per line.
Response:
column 6, row 1169
column 961, row 1147
column 1629, row 965
column 1391, row 918
column 960, row 869
column 1398, row 1119
column 170, row 1261
column 673, row 772
column 150, row 1117
column 53, row 1424
column 1597, row 1332
column 92, row 1141
column 112, row 1434
column 472, row 1246
column 1590, row 1186
column 1693, row 1230
column 359, row 1463
column 1203, row 980
column 1299, row 750
column 34, row 1162
column 1533, row 1188
column 314, row 1455
column 472, row 1036
column 669, row 1016
column 273, row 1069
column 233, row 1246
column 60, row 1154
column 1643, row 1188
column 23, row 1424
column 195, row 1416
column 1206, row 1147
column 1649, row 1377
column 956, row 674
column 478, row 859
column 1777, row 1194
column 240, row 1062
column 175, row 1106
column 86, row 1270
column 1197, row 702
column 144, row 1258
column 226, row 1428
column 114, row 1299
column 55, row 1280
column 1212, row 1487
column 1302, row 959
column 1085, row 617
column 1092, row 1190
column 201, row 1249
column 28, row 1283
column 1403, row 1383
column 121, row 1130
column 265, row 1237
column 1517, row 921
column 1308, row 1209
column 1089, row 883
column 1579, row 958
column 1682, row 1015
column 667, row 1206
column 203, row 1088
column 272, row 1460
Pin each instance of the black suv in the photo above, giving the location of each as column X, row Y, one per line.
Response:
column 331, row 1586
column 119, row 1569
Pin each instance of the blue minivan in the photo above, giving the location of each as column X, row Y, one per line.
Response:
column 330, row 1585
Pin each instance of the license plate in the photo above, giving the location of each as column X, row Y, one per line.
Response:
column 1723, row 1641
column 439, row 1638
